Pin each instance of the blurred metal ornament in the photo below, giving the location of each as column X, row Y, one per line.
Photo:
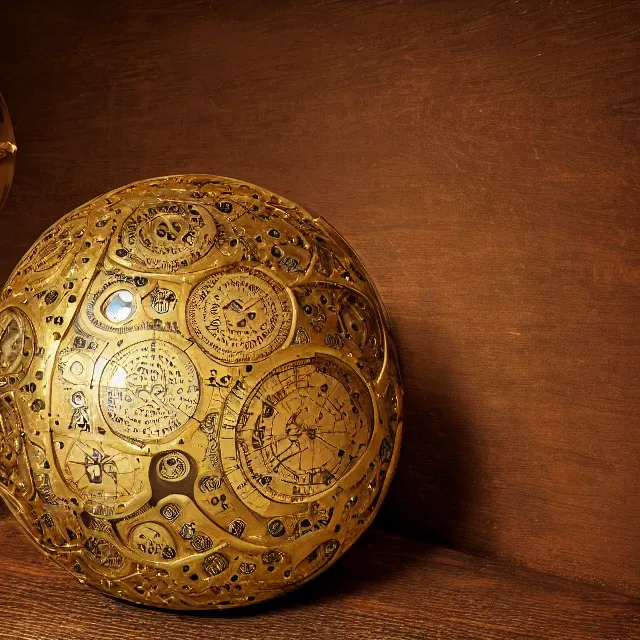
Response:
column 200, row 405
column 7, row 152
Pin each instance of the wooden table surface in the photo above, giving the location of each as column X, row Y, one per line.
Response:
column 386, row 587
column 482, row 157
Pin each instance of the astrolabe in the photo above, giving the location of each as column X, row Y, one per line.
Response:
column 302, row 427
column 198, row 394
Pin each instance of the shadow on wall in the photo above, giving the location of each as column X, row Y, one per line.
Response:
column 432, row 491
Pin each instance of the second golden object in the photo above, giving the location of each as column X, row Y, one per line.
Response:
column 7, row 152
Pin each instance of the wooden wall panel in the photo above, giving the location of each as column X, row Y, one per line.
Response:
column 482, row 157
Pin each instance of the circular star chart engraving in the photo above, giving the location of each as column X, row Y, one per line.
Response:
column 166, row 236
column 239, row 315
column 149, row 390
column 303, row 427
column 16, row 345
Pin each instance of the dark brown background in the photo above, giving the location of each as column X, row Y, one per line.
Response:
column 482, row 157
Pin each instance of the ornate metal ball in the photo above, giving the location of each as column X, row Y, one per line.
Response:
column 200, row 404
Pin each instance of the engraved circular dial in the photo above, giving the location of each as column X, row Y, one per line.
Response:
column 239, row 315
column 16, row 345
column 149, row 390
column 53, row 246
column 303, row 427
column 166, row 236
column 11, row 341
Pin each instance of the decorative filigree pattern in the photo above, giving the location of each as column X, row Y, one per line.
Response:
column 200, row 405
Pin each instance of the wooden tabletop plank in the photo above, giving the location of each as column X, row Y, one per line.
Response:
column 386, row 588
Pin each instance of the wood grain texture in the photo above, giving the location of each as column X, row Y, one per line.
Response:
column 482, row 157
column 386, row 587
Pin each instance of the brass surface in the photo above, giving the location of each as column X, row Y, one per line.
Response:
column 200, row 404
column 7, row 152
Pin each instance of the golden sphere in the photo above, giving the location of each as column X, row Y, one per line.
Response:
column 200, row 404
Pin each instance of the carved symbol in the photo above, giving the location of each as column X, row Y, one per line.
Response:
column 201, row 542
column 276, row 528
column 209, row 483
column 102, row 476
column 166, row 236
column 224, row 207
column 215, row 564
column 272, row 556
column 153, row 540
column 80, row 416
column 47, row 521
column 173, row 467
column 239, row 315
column 96, row 464
column 163, row 300
column 170, row 511
column 237, row 527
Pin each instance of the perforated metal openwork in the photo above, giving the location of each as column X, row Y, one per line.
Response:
column 200, row 404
